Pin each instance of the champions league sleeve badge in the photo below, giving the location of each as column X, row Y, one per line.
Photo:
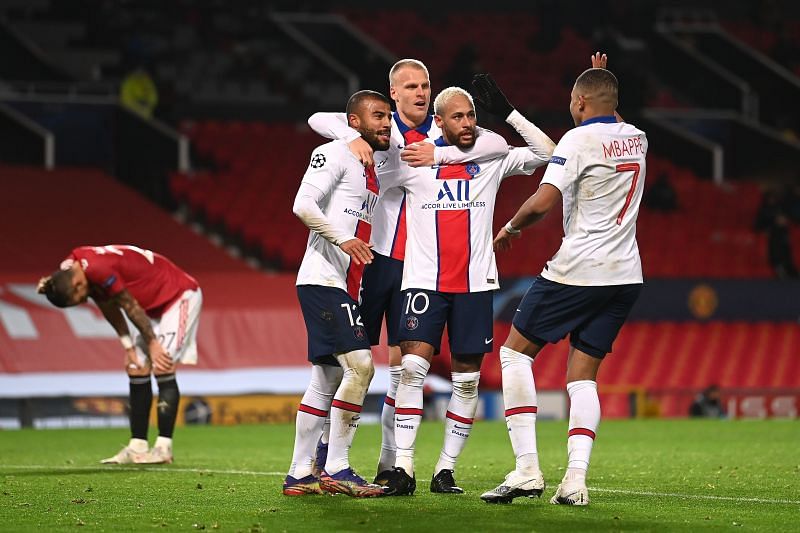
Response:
column 318, row 161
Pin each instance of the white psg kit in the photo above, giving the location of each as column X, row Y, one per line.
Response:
column 389, row 220
column 450, row 210
column 350, row 194
column 599, row 167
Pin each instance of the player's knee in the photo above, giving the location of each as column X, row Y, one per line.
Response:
column 509, row 357
column 465, row 385
column 415, row 369
column 358, row 365
column 141, row 371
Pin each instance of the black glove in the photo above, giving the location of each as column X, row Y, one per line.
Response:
column 489, row 96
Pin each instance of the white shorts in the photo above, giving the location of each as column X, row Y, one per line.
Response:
column 176, row 330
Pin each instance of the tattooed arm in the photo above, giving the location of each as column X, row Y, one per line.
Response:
column 160, row 358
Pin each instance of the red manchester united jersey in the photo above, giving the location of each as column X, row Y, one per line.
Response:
column 152, row 279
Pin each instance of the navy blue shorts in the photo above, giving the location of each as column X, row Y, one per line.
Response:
column 592, row 316
column 381, row 296
column 333, row 323
column 468, row 316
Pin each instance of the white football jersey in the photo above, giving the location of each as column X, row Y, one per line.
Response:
column 389, row 222
column 450, row 210
column 599, row 167
column 351, row 192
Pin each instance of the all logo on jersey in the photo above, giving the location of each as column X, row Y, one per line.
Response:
column 458, row 192
column 454, row 191
column 318, row 161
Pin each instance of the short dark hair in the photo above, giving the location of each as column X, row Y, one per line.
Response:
column 599, row 83
column 58, row 288
column 358, row 99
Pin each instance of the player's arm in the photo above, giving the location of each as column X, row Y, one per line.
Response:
column 316, row 185
column 138, row 317
column 561, row 173
column 489, row 96
column 113, row 314
column 334, row 126
column 488, row 145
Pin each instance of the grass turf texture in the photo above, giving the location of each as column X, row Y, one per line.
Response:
column 682, row 475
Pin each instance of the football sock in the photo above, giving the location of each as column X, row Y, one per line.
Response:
column 163, row 442
column 168, row 398
column 519, row 399
column 408, row 409
column 459, row 419
column 584, row 417
column 346, row 407
column 326, row 431
column 388, row 445
column 311, row 417
column 141, row 398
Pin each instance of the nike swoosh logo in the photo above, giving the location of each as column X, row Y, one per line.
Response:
column 400, row 146
column 519, row 310
column 487, row 341
column 459, row 427
column 405, row 419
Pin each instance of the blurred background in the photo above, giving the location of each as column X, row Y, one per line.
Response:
column 181, row 127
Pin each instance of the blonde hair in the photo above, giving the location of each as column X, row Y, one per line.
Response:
column 410, row 63
column 446, row 95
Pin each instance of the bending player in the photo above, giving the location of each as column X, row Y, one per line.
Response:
column 409, row 87
column 336, row 201
column 163, row 302
column 450, row 273
column 586, row 290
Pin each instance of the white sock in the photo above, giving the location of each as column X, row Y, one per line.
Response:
column 388, row 444
column 138, row 445
column 408, row 410
column 163, row 442
column 459, row 419
column 326, row 430
column 519, row 398
column 584, row 417
column 346, row 407
column 311, row 417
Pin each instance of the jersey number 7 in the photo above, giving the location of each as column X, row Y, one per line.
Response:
column 628, row 167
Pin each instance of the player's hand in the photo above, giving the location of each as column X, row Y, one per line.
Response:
column 132, row 360
column 489, row 96
column 502, row 242
column 362, row 150
column 599, row 60
column 162, row 362
column 418, row 154
column 358, row 250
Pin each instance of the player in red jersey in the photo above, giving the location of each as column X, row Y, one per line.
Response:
column 163, row 302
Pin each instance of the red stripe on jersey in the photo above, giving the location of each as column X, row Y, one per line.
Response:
column 453, row 172
column 453, row 247
column 372, row 179
column 453, row 416
column 312, row 410
column 398, row 250
column 582, row 431
column 413, row 136
column 408, row 411
column 347, row 406
column 519, row 410
column 389, row 401
column 355, row 272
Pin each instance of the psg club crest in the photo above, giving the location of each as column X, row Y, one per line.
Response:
column 359, row 333
column 412, row 323
column 318, row 161
column 472, row 168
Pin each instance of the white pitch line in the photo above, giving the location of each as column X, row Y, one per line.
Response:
column 102, row 468
column 695, row 496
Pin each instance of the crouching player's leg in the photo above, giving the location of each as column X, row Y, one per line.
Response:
column 177, row 332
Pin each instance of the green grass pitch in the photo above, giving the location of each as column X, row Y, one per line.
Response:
column 651, row 475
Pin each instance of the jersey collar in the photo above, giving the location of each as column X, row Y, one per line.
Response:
column 441, row 141
column 606, row 119
column 423, row 128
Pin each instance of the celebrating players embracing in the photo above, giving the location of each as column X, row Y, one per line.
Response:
column 336, row 200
